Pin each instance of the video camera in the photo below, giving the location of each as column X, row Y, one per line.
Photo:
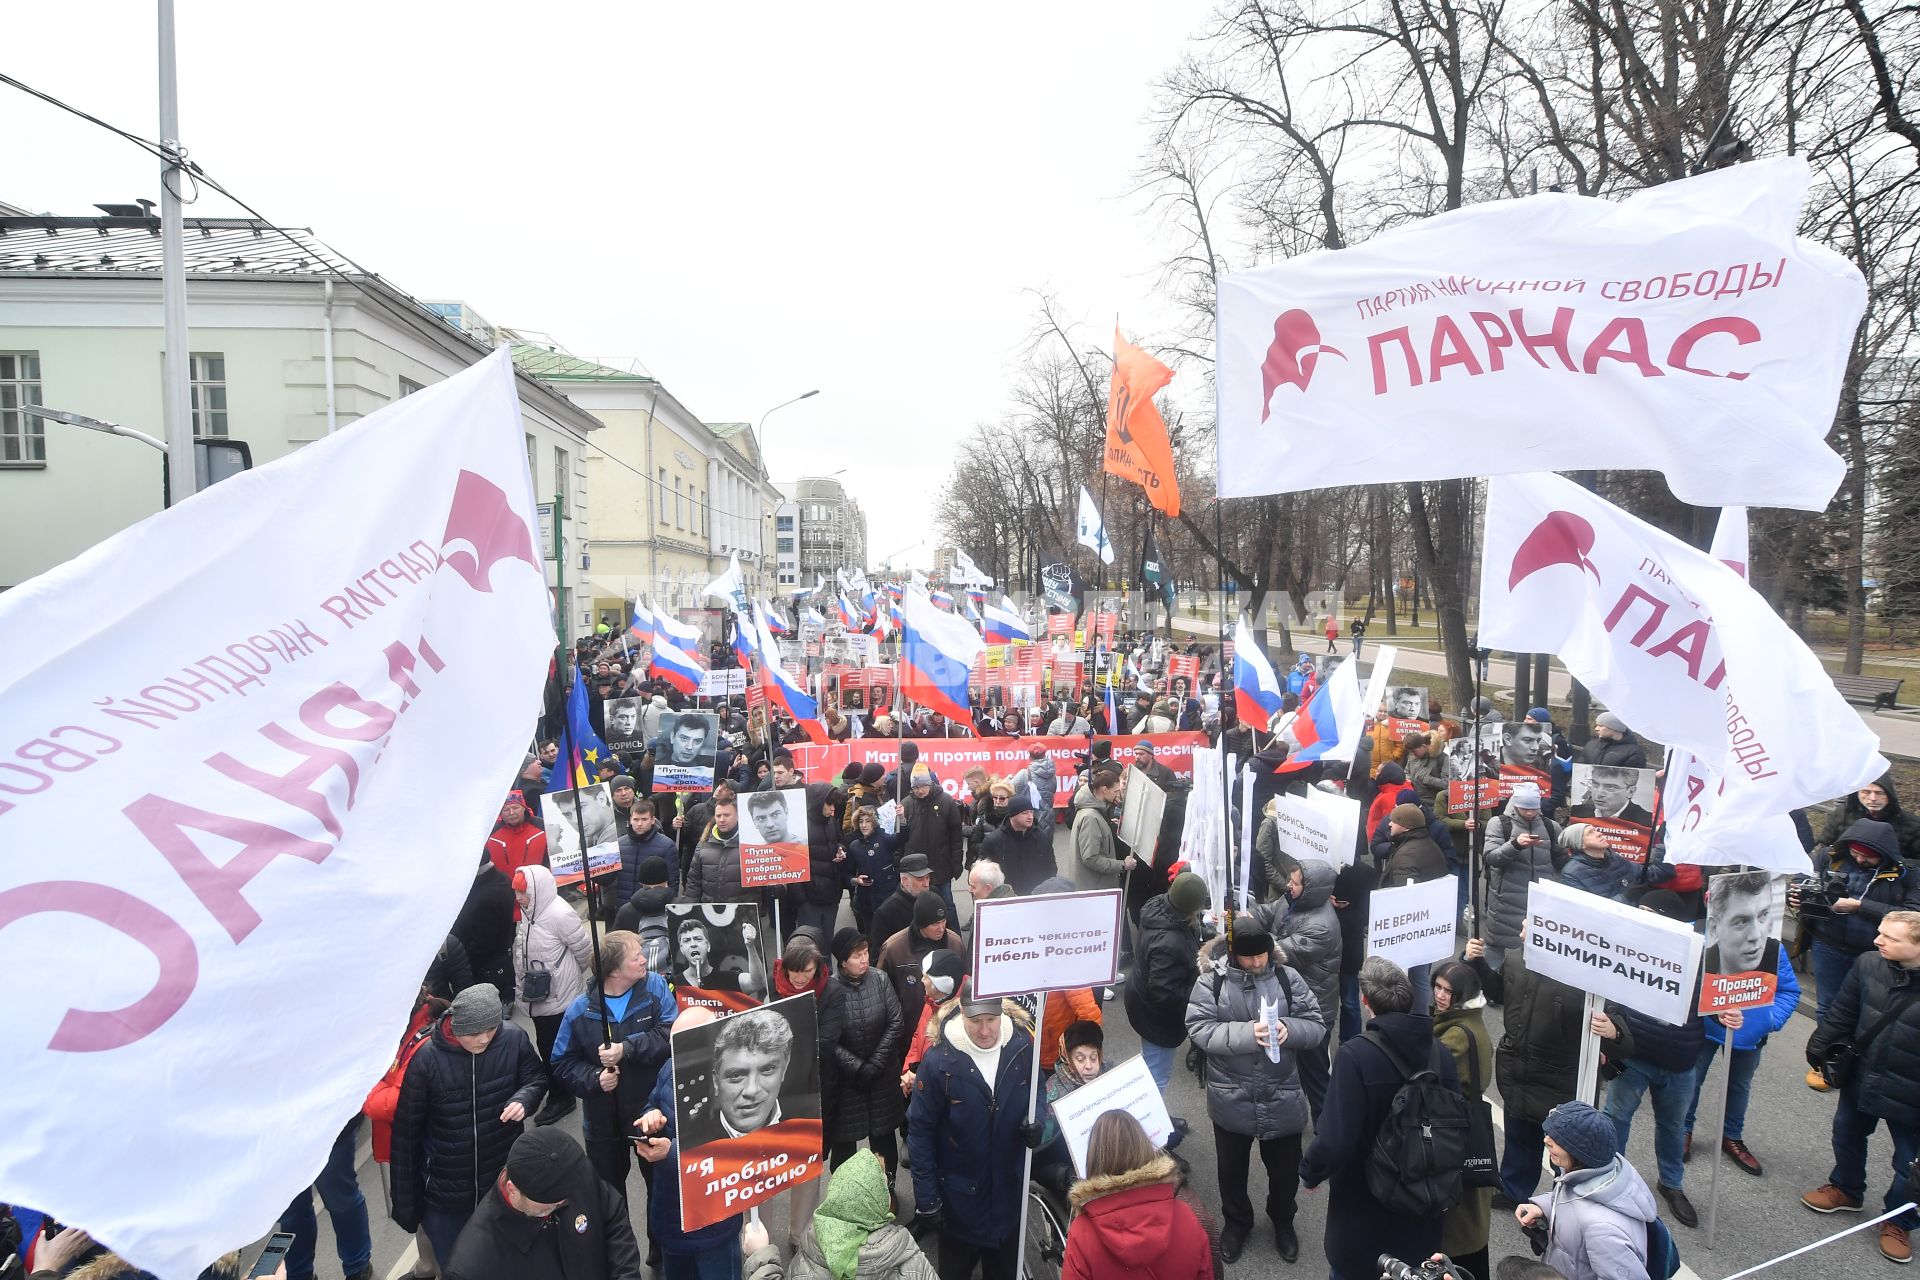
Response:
column 1441, row 1268
column 1812, row 897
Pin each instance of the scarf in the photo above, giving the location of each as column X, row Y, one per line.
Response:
column 854, row 1207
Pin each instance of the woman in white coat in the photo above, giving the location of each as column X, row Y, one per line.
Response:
column 549, row 940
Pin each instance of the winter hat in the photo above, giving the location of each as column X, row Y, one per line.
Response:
column 621, row 780
column 944, row 969
column 846, row 942
column 1145, row 748
column 1084, row 1034
column 1479, row 706
column 1101, row 750
column 914, row 864
column 1251, row 940
column 1665, row 902
column 1021, row 802
column 1526, row 796
column 1391, row 775
column 515, row 797
column 1608, row 720
column 921, row 776
column 1541, row 714
column 520, row 880
column 1409, row 817
column 1585, row 1134
column 851, row 774
column 475, row 1010
column 545, row 1164
column 1188, row 893
column 653, row 869
column 872, row 773
column 927, row 907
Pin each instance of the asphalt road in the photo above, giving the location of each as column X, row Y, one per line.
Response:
column 1758, row 1219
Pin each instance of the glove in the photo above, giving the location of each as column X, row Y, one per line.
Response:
column 927, row 1221
column 866, row 1074
column 1031, row 1135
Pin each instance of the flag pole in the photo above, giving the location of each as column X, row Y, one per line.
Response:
column 586, row 874
column 1477, row 844
column 1220, row 637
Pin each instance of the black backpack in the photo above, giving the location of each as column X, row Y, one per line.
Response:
column 1417, row 1163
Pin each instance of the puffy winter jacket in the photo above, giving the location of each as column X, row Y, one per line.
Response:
column 1166, row 960
column 1886, row 885
column 448, row 1140
column 1886, row 1080
column 1025, row 856
column 1415, row 859
column 551, row 937
column 714, row 873
column 1043, row 776
column 1597, row 1223
column 384, row 1098
column 645, row 913
column 932, row 826
column 1607, row 875
column 1512, row 869
column 1759, row 1023
column 964, row 1135
column 1307, row 934
column 861, row 1028
column 1663, row 1045
column 1247, row 1092
column 1542, row 1025
column 1097, row 863
column 635, row 850
column 1134, row 1224
column 1625, row 753
column 511, row 848
column 576, row 1056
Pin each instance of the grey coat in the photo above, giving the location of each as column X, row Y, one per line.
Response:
column 1307, row 935
column 1597, row 1223
column 1097, row 860
column 1248, row 1093
column 890, row 1251
column 1511, row 870
column 1044, row 777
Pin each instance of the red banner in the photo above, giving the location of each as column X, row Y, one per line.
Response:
column 950, row 758
column 1059, row 624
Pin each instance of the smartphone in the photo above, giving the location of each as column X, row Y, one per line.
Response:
column 272, row 1255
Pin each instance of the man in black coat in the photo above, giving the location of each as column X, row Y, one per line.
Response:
column 548, row 1217
column 930, row 825
column 1023, row 850
column 896, row 913
column 1613, row 743
column 816, row 902
column 485, row 927
column 1166, row 964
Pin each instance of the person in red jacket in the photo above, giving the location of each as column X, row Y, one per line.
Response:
column 385, row 1100
column 1130, row 1216
column 516, row 843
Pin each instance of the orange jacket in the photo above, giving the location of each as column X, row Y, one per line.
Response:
column 1064, row 1008
column 385, row 1098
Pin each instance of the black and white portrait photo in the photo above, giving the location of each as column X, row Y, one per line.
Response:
column 683, row 755
column 1407, row 702
column 714, row 954
column 624, row 732
column 1613, row 793
column 747, row 1072
column 1460, row 753
column 1744, row 917
column 596, row 816
column 1527, row 744
column 774, row 817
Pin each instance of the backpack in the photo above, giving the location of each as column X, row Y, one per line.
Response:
column 1415, row 1166
column 1663, row 1255
column 654, row 942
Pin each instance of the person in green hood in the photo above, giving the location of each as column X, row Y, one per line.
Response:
column 852, row 1234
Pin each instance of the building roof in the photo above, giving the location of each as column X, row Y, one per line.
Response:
column 552, row 365
column 213, row 246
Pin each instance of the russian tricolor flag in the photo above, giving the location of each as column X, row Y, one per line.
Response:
column 641, row 628
column 1328, row 724
column 977, row 597
column 781, row 689
column 814, row 616
column 936, row 658
column 671, row 663
column 942, row 598
column 1257, row 691
column 776, row 625
column 848, row 618
column 683, row 635
column 1004, row 624
column 746, row 640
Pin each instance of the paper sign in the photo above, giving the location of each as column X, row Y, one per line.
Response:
column 1413, row 925
column 1740, row 969
column 1317, row 827
column 1636, row 958
column 1128, row 1087
column 1140, row 814
column 773, row 838
column 1053, row 942
column 720, row 684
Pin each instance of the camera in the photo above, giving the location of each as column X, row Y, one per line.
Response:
column 1441, row 1268
column 1812, row 897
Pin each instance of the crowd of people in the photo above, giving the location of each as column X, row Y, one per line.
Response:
column 1309, row 1051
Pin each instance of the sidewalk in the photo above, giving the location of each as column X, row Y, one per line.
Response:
column 1899, row 731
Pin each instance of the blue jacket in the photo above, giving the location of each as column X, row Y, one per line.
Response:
column 634, row 851
column 965, row 1139
column 871, row 856
column 607, row 1117
column 1761, row 1022
column 663, row 1193
column 1661, row 1045
column 1609, row 877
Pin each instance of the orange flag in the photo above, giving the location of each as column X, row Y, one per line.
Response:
column 1137, row 447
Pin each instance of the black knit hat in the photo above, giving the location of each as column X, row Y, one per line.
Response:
column 846, row 942
column 545, row 1164
column 653, row 870
column 928, row 907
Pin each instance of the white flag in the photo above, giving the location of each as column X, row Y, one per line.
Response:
column 224, row 875
column 1093, row 531
column 1684, row 329
column 1692, row 788
column 729, row 586
column 1674, row 642
column 966, row 573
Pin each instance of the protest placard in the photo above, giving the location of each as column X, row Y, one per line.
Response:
column 602, row 837
column 623, row 724
column 1617, row 802
column 950, row 758
column 1317, row 826
column 721, row 684
column 1052, row 942
column 1140, row 814
column 1741, row 966
column 684, row 753
column 1413, row 925
column 1636, row 958
column 1128, row 1087
column 773, row 838
column 713, row 955
column 746, row 1101
column 1460, row 796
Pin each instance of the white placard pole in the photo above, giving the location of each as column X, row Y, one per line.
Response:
column 1586, row 1081
column 1033, row 1105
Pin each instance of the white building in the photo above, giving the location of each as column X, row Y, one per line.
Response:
column 831, row 528
column 288, row 341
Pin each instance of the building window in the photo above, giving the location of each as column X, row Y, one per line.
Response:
column 783, row 544
column 663, row 495
column 22, row 440
column 784, row 524
column 407, row 387
column 207, row 392
column 561, row 473
column 679, row 512
column 706, row 516
column 533, row 465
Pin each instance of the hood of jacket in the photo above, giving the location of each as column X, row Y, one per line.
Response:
column 111, row 1266
column 1156, row 1171
column 1613, row 1185
column 653, row 901
column 1084, row 798
column 541, row 890
column 1316, row 879
column 1877, row 836
column 1409, row 1034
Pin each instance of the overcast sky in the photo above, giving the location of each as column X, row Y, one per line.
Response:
column 754, row 200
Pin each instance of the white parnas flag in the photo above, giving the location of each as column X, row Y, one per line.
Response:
column 1674, row 641
column 256, row 744
column 1684, row 329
